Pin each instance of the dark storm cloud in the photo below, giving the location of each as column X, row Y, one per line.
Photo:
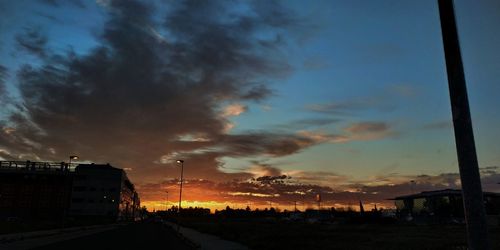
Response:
column 207, row 156
column 265, row 143
column 148, row 82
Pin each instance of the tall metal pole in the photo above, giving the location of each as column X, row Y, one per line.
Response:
column 475, row 216
column 180, row 192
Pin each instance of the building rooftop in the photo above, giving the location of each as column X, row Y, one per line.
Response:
column 54, row 167
column 94, row 166
column 444, row 192
column 36, row 166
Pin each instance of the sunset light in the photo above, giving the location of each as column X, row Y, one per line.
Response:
column 239, row 117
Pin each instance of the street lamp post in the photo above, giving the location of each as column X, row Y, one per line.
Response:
column 182, row 173
column 64, row 212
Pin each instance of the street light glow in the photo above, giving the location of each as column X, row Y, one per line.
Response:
column 180, row 161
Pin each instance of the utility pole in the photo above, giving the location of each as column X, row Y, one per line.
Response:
column 180, row 190
column 475, row 216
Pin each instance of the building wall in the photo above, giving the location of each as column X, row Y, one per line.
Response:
column 34, row 194
column 53, row 191
column 103, row 191
column 446, row 206
column 129, row 201
column 96, row 191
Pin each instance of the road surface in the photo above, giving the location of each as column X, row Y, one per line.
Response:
column 145, row 235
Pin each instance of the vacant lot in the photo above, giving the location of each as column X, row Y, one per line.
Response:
column 274, row 234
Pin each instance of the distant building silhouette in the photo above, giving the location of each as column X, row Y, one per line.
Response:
column 55, row 191
column 441, row 205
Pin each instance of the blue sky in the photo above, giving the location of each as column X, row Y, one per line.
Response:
column 389, row 55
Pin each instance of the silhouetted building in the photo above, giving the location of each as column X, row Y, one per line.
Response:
column 441, row 204
column 103, row 191
column 54, row 191
column 34, row 190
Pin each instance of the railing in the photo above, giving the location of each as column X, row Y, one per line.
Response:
column 37, row 166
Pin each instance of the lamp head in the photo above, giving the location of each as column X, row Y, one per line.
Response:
column 74, row 157
column 180, row 161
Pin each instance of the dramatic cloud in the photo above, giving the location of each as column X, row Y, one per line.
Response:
column 154, row 88
column 259, row 169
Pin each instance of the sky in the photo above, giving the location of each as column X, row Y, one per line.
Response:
column 267, row 102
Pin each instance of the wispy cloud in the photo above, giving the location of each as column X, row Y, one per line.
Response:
column 33, row 40
column 381, row 100
column 341, row 108
column 308, row 123
column 369, row 130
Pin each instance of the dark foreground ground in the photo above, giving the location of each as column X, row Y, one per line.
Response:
column 271, row 234
column 146, row 235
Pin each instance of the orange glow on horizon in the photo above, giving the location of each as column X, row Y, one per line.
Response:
column 215, row 205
